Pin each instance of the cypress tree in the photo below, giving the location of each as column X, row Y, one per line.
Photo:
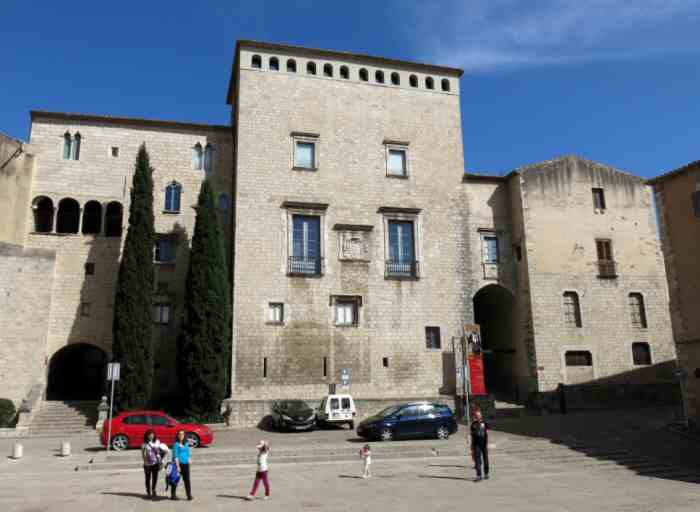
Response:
column 205, row 335
column 132, row 342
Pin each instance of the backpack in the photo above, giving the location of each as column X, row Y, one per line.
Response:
column 172, row 475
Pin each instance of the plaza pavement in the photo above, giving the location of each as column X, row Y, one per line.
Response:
column 595, row 461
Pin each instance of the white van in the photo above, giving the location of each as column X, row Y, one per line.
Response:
column 336, row 410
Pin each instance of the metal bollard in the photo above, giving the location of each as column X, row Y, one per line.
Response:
column 65, row 449
column 17, row 451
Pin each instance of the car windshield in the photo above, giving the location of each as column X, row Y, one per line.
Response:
column 294, row 406
column 390, row 411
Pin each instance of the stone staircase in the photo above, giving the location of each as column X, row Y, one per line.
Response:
column 64, row 417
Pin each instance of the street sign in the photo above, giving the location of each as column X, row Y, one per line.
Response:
column 113, row 371
column 345, row 378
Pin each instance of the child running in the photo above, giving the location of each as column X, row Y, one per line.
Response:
column 366, row 456
column 261, row 474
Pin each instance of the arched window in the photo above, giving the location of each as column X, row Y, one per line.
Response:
column 197, row 157
column 92, row 218
column 75, row 147
column 113, row 219
column 413, row 80
column 445, row 85
column 572, row 310
column 291, row 66
column 364, row 75
column 256, row 61
column 68, row 218
column 344, row 72
column 395, row 78
column 429, row 83
column 209, row 158
column 274, row 64
column 379, row 76
column 311, row 68
column 43, row 214
column 66, row 146
column 172, row 197
column 224, row 202
column 327, row 70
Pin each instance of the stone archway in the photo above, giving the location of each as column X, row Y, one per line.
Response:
column 77, row 372
column 495, row 312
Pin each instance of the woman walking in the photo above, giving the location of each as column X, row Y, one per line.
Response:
column 261, row 474
column 152, row 452
column 181, row 457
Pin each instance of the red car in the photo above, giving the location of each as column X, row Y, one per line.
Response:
column 128, row 429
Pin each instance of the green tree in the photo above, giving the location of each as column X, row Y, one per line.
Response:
column 132, row 342
column 205, row 337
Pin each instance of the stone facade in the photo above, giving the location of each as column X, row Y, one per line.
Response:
column 678, row 201
column 358, row 245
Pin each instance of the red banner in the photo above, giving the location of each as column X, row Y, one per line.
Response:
column 476, row 374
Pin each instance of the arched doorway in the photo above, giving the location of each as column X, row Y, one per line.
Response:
column 77, row 372
column 495, row 312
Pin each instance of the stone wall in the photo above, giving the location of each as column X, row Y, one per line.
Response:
column 561, row 227
column 680, row 235
column 99, row 175
column 351, row 121
column 16, row 168
column 25, row 293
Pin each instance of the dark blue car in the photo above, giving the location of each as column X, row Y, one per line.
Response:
column 419, row 419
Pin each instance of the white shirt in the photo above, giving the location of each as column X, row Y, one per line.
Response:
column 262, row 461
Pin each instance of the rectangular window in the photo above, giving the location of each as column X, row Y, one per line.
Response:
column 84, row 309
column 306, row 245
column 325, row 367
column 518, row 252
column 385, row 362
column 264, row 368
column 89, row 269
column 490, row 249
column 578, row 358
column 165, row 251
column 396, row 162
column 345, row 312
column 606, row 264
column 641, row 354
column 304, row 154
column 114, row 151
column 598, row 198
column 637, row 312
column 572, row 310
column 402, row 260
column 432, row 338
column 695, row 198
column 275, row 312
column 161, row 314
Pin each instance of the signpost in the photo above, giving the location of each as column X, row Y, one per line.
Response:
column 112, row 376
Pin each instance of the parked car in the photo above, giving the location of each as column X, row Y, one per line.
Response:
column 128, row 429
column 293, row 415
column 420, row 419
column 337, row 410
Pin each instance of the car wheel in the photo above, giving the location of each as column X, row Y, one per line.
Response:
column 386, row 434
column 442, row 432
column 120, row 442
column 192, row 439
column 352, row 425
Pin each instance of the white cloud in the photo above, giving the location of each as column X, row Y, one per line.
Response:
column 481, row 35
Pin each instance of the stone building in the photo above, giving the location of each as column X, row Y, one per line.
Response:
column 359, row 246
column 678, row 201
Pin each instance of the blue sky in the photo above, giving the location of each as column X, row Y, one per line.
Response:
column 613, row 81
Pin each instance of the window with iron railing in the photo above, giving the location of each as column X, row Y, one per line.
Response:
column 402, row 260
column 306, row 246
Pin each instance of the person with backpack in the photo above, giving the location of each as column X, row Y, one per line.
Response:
column 152, row 452
column 479, row 431
column 181, row 458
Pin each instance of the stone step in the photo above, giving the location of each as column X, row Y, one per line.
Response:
column 64, row 417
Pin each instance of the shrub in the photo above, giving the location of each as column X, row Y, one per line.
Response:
column 7, row 413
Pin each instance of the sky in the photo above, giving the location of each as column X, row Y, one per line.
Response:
column 610, row 80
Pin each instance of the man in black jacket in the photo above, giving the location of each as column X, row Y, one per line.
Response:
column 480, row 445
